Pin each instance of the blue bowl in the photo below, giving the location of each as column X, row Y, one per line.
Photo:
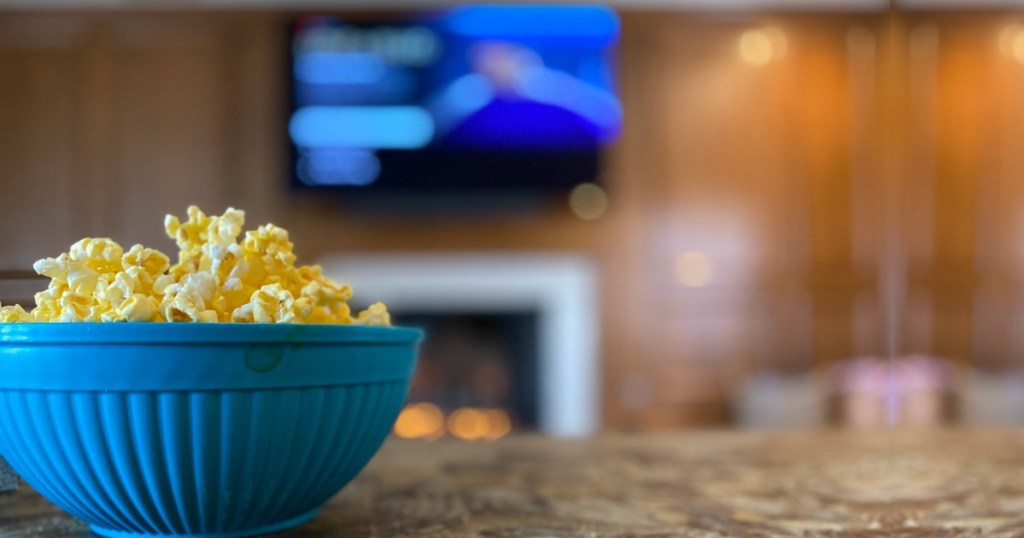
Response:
column 215, row 430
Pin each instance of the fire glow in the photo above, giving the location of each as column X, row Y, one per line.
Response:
column 427, row 421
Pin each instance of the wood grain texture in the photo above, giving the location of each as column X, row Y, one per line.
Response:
column 702, row 484
column 962, row 209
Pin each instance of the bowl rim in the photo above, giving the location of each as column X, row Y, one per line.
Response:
column 200, row 333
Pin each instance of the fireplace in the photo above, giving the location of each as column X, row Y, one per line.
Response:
column 530, row 322
column 477, row 361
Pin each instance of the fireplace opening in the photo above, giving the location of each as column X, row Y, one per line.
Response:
column 476, row 378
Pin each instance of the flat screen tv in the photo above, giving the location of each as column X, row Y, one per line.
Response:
column 482, row 98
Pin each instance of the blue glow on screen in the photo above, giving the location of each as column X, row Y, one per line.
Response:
column 599, row 108
column 338, row 166
column 340, row 68
column 382, row 127
column 507, row 78
column 572, row 23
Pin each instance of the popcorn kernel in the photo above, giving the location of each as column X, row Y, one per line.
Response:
column 217, row 278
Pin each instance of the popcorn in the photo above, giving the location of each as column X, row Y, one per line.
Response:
column 14, row 314
column 100, row 255
column 377, row 314
column 148, row 262
column 187, row 300
column 138, row 307
column 217, row 278
column 274, row 304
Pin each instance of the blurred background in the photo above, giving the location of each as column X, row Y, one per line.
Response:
column 632, row 217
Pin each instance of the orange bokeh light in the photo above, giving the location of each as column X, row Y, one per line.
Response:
column 427, row 421
column 420, row 421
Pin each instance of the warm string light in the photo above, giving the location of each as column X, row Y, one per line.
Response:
column 694, row 269
column 420, row 421
column 1011, row 41
column 588, row 201
column 761, row 46
column 427, row 421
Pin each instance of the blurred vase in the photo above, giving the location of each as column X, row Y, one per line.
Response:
column 858, row 392
column 869, row 392
column 923, row 387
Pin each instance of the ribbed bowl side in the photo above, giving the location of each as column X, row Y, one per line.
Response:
column 180, row 463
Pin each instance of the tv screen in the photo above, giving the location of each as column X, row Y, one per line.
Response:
column 476, row 98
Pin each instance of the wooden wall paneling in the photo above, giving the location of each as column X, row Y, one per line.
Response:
column 825, row 139
column 94, row 110
column 993, row 203
column 257, row 78
column 963, row 206
column 777, row 224
column 635, row 166
column 907, row 101
column 702, row 208
column 999, row 249
column 962, row 108
column 1010, row 290
column 943, row 268
column 785, row 307
column 169, row 122
column 40, row 166
column 867, row 182
column 729, row 209
column 915, row 49
column 920, row 46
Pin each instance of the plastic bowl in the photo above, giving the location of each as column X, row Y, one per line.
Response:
column 215, row 430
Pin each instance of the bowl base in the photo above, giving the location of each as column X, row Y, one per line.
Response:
column 255, row 531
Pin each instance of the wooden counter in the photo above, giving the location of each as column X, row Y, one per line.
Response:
column 706, row 484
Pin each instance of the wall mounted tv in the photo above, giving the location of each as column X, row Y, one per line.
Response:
column 482, row 98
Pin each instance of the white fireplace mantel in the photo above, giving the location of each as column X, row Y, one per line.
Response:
column 561, row 288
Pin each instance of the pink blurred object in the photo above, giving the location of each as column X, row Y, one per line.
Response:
column 858, row 389
column 914, row 390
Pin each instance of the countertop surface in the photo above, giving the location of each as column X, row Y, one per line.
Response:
column 703, row 484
